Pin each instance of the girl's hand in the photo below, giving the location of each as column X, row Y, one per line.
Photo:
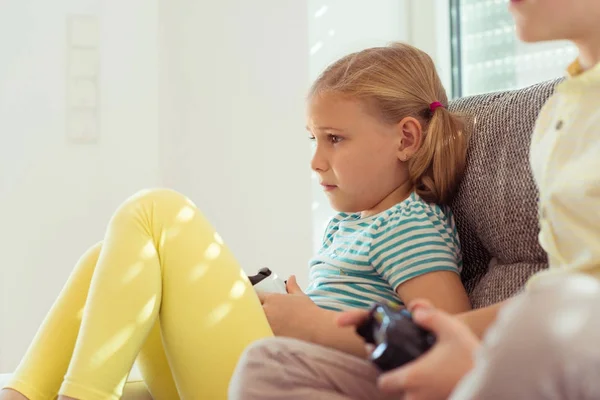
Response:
column 293, row 314
column 352, row 318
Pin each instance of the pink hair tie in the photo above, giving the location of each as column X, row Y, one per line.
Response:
column 435, row 105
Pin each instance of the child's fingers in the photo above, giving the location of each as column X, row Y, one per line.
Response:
column 352, row 318
column 292, row 286
column 397, row 381
column 419, row 303
column 440, row 323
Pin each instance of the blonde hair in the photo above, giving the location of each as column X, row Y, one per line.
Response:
column 401, row 81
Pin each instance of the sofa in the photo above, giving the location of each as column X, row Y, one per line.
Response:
column 496, row 205
column 135, row 389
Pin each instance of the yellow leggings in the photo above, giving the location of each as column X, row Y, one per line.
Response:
column 163, row 288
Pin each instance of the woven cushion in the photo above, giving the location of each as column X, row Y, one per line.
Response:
column 496, row 206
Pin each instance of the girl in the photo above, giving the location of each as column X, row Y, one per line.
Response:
column 544, row 342
column 163, row 287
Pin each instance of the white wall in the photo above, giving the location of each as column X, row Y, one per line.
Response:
column 429, row 30
column 56, row 197
column 233, row 76
column 232, row 80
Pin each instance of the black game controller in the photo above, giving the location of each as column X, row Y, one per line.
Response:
column 396, row 337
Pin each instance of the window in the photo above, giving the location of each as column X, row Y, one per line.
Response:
column 487, row 55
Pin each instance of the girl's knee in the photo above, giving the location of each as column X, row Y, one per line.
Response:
column 93, row 252
column 159, row 196
column 148, row 203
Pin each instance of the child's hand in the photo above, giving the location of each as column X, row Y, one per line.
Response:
column 352, row 318
column 293, row 314
column 292, row 286
column 435, row 374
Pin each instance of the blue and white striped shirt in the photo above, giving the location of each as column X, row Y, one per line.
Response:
column 364, row 260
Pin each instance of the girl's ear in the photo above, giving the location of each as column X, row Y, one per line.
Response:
column 411, row 137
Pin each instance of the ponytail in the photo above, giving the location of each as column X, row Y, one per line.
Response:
column 437, row 167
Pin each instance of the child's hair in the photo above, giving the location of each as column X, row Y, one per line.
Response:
column 398, row 81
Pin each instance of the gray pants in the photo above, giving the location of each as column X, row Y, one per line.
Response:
column 544, row 345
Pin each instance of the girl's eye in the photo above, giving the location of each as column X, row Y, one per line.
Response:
column 334, row 138
column 312, row 138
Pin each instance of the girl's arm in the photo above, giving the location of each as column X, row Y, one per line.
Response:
column 446, row 292
column 481, row 319
column 328, row 333
column 443, row 289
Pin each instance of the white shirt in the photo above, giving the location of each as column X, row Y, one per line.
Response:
column 565, row 160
